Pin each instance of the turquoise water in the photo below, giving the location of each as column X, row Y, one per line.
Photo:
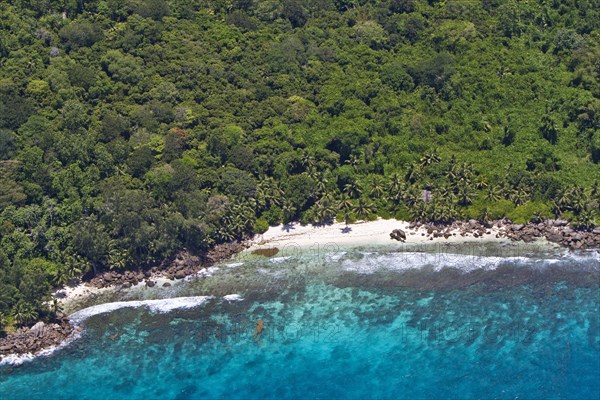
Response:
column 349, row 325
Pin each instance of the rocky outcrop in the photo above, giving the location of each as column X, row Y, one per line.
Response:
column 178, row 267
column 556, row 231
column 39, row 337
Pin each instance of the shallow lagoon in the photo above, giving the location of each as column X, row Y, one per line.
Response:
column 352, row 323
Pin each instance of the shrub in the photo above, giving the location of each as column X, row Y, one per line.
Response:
column 526, row 212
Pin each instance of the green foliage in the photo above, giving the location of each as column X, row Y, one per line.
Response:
column 80, row 34
column 261, row 225
column 129, row 130
column 596, row 147
column 500, row 209
column 529, row 211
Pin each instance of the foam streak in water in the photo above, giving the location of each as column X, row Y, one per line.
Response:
column 160, row 306
column 373, row 262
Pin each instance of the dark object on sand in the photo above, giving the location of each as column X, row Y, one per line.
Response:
column 398, row 234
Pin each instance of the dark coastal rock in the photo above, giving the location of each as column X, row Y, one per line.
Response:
column 180, row 274
column 39, row 337
column 398, row 234
column 150, row 283
column 37, row 329
column 166, row 284
column 554, row 237
column 528, row 238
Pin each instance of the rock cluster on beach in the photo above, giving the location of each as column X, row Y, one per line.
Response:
column 182, row 265
column 556, row 231
column 39, row 337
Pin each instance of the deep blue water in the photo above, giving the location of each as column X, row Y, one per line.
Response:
column 504, row 330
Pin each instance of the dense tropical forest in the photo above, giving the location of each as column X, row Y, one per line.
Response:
column 132, row 129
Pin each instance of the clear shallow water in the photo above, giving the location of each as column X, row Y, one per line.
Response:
column 354, row 324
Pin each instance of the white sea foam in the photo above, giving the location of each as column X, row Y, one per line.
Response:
column 233, row 297
column 158, row 306
column 278, row 260
column 234, row 265
column 334, row 256
column 206, row 272
column 372, row 262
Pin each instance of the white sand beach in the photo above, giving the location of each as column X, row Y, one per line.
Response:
column 375, row 233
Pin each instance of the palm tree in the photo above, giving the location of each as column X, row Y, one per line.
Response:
column 555, row 208
column 345, row 203
column 117, row 257
column 347, row 216
column 326, row 208
column 321, row 184
column 307, row 159
column 481, row 182
column 419, row 211
column 492, row 194
column 3, row 322
column 24, row 313
column 395, row 184
column 269, row 192
column 564, row 200
column 363, row 209
column 429, row 158
column 451, row 171
column 353, row 189
column 465, row 195
column 519, row 196
column 289, row 211
column 225, row 234
column 71, row 267
column 260, row 199
column 376, row 189
column 56, row 307
column 584, row 220
column 579, row 199
column 413, row 173
column 412, row 197
column 595, row 191
column 443, row 192
column 353, row 160
column 313, row 172
column 484, row 216
column 317, row 215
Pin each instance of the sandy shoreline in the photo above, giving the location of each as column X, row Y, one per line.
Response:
column 327, row 237
column 370, row 233
column 287, row 238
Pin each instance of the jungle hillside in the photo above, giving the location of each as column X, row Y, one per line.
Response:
column 130, row 130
